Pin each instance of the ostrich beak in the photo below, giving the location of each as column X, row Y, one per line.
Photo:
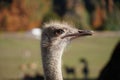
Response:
column 79, row 33
column 84, row 33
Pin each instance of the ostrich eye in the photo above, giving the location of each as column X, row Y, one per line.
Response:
column 58, row 31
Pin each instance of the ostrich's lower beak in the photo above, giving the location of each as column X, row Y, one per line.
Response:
column 79, row 34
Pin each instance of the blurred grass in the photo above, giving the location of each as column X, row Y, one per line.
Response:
column 17, row 49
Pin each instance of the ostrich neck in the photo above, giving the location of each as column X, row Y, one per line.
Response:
column 51, row 58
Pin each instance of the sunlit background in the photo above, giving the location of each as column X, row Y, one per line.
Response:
column 21, row 25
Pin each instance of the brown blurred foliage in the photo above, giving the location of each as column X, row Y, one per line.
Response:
column 13, row 13
column 20, row 15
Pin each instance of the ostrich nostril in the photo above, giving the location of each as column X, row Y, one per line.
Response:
column 84, row 31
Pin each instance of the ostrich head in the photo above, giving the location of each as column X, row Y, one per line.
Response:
column 59, row 34
column 55, row 37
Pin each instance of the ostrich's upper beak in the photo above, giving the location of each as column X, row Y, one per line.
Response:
column 79, row 33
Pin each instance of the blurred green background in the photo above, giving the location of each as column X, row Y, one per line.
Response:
column 20, row 50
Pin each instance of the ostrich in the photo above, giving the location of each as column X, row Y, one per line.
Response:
column 85, row 69
column 55, row 37
column 70, row 70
